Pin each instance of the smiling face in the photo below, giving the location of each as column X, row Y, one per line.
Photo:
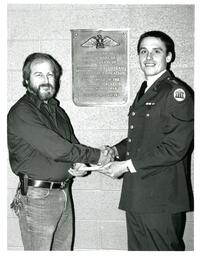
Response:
column 153, row 56
column 42, row 79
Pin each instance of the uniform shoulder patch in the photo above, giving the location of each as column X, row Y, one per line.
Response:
column 179, row 94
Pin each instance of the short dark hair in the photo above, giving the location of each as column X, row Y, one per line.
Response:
column 40, row 56
column 169, row 43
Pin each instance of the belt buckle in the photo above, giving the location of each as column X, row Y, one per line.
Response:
column 63, row 184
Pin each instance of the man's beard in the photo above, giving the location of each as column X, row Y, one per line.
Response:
column 44, row 92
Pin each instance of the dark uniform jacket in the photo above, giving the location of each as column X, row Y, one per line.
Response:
column 160, row 135
column 41, row 140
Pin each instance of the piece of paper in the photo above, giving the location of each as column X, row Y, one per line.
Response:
column 91, row 168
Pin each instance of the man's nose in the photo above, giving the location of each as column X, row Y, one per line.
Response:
column 149, row 55
column 46, row 79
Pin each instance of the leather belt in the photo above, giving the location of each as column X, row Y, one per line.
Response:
column 48, row 184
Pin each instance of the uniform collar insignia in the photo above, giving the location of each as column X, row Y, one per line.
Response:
column 150, row 103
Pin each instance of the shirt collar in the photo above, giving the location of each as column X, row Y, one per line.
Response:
column 37, row 102
column 151, row 80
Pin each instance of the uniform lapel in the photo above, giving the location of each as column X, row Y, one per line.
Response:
column 146, row 97
column 152, row 91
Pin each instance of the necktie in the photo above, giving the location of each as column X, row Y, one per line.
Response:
column 142, row 90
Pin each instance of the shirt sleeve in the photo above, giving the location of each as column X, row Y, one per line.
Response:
column 25, row 124
column 178, row 135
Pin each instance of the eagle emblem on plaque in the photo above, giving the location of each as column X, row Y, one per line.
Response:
column 100, row 41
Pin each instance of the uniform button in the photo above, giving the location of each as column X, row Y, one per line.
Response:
column 131, row 127
column 133, row 113
column 129, row 140
column 127, row 153
column 147, row 114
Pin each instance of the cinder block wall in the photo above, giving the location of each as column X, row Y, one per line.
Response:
column 100, row 225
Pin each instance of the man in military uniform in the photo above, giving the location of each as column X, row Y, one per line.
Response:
column 154, row 157
column 42, row 148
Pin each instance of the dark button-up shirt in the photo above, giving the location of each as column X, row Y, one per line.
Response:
column 41, row 140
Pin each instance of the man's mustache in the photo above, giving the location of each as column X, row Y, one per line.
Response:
column 47, row 85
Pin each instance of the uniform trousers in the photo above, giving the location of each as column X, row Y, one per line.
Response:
column 45, row 219
column 155, row 231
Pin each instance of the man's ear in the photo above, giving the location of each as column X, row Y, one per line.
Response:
column 169, row 57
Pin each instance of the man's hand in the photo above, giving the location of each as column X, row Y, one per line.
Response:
column 111, row 150
column 115, row 169
column 76, row 170
column 106, row 155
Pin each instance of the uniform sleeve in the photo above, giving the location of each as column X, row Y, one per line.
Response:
column 178, row 135
column 24, row 123
column 122, row 148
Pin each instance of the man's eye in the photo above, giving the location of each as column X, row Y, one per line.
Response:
column 39, row 75
column 51, row 75
column 143, row 51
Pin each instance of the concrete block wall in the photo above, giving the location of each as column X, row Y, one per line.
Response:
column 100, row 225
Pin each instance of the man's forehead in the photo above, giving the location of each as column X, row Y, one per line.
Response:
column 40, row 62
column 153, row 42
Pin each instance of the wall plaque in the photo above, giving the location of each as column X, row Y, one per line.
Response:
column 99, row 67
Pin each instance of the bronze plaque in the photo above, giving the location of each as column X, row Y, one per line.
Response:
column 99, row 67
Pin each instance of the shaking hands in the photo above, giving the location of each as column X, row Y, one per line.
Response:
column 107, row 155
column 105, row 165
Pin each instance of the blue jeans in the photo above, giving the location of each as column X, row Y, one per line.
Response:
column 45, row 219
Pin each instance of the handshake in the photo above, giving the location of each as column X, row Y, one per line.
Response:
column 105, row 165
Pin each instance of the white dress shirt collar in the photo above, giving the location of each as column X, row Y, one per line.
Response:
column 152, row 79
